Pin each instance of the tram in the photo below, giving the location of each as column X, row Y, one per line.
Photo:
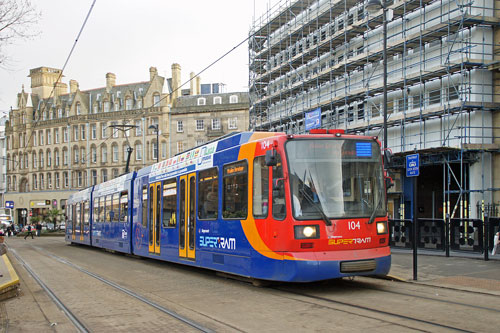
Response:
column 262, row 205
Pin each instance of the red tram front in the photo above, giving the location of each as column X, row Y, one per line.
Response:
column 326, row 214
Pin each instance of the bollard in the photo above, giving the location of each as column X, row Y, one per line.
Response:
column 486, row 247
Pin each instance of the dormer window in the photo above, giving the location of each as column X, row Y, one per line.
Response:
column 202, row 101
column 217, row 100
column 156, row 100
column 233, row 99
column 128, row 103
column 78, row 108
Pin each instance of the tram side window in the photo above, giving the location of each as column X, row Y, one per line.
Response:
column 100, row 213
column 116, row 206
column 260, row 187
column 96, row 209
column 279, row 205
column 234, row 204
column 208, row 198
column 86, row 211
column 124, row 207
column 74, row 217
column 144, row 206
column 109, row 208
column 77, row 219
column 169, row 196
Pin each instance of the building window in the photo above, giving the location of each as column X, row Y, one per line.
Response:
column 154, row 150
column 93, row 154
column 78, row 108
column 66, row 179
column 217, row 100
column 42, row 181
column 56, row 179
column 115, row 173
column 56, row 155
column 94, row 177
column 35, row 182
column 104, row 154
column 216, row 124
column 83, row 153
column 56, row 135
column 41, row 159
column 114, row 129
column 202, row 101
column 138, row 151
column 75, row 155
column 104, row 127
column 49, row 158
column 49, row 180
column 65, row 156
column 115, row 152
column 35, row 161
column 199, row 142
column 75, row 133
column 82, row 130
column 233, row 99
column 200, row 126
column 180, row 127
column 232, row 123
column 96, row 107
column 125, row 152
column 41, row 138
column 93, row 131
column 138, row 128
column 128, row 104
column 163, row 150
column 106, row 107
column 65, row 134
column 180, row 147
column 59, row 113
column 35, row 140
column 80, row 178
column 156, row 100
column 49, row 137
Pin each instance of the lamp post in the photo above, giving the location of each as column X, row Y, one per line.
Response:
column 374, row 6
column 155, row 128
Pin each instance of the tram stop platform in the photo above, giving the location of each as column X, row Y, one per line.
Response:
column 9, row 281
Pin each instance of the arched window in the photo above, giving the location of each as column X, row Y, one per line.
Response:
column 233, row 99
column 217, row 100
column 78, row 108
column 156, row 100
column 49, row 158
column 202, row 101
column 35, row 161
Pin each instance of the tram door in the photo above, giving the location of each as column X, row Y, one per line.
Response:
column 187, row 216
column 73, row 221
column 154, row 217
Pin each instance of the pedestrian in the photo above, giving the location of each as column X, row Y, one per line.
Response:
column 496, row 243
column 9, row 230
column 29, row 232
column 38, row 229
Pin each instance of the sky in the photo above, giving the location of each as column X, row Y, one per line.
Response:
column 127, row 37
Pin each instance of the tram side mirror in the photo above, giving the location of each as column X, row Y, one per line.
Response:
column 278, row 187
column 387, row 158
column 388, row 182
column 270, row 158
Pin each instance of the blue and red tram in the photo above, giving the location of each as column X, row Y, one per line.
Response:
column 267, row 206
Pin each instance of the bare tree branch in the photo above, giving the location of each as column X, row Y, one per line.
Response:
column 17, row 18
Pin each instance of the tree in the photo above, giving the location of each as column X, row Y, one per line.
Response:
column 16, row 20
column 53, row 215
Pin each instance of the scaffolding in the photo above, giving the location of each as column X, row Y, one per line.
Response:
column 327, row 55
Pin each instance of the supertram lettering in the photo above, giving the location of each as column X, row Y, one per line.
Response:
column 218, row 242
column 346, row 241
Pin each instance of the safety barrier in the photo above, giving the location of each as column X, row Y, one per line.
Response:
column 401, row 233
column 466, row 235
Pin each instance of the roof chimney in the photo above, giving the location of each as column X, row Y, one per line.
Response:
column 176, row 81
column 152, row 73
column 73, row 86
column 110, row 81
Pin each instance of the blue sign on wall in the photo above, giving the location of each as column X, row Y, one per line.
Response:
column 313, row 119
column 9, row 204
column 412, row 165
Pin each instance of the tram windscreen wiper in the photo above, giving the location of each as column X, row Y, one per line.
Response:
column 316, row 205
column 372, row 217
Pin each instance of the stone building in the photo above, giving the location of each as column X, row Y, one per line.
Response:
column 59, row 141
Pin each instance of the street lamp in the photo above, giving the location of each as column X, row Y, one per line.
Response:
column 373, row 6
column 155, row 128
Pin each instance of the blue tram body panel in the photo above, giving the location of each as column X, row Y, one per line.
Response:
column 108, row 231
column 243, row 247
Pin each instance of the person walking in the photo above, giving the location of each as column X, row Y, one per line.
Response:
column 38, row 229
column 29, row 232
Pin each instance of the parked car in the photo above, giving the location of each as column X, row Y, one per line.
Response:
column 62, row 226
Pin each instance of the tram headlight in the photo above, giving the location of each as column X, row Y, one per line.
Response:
column 306, row 231
column 381, row 228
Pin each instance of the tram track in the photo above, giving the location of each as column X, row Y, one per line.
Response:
column 74, row 319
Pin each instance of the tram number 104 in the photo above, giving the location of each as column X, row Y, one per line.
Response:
column 353, row 225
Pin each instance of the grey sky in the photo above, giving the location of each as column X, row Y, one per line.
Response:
column 126, row 37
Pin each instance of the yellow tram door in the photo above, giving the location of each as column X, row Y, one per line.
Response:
column 73, row 221
column 154, row 217
column 187, row 216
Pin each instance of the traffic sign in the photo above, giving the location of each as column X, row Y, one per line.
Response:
column 412, row 165
column 9, row 204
